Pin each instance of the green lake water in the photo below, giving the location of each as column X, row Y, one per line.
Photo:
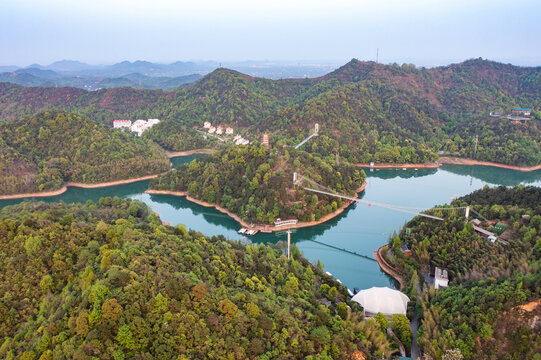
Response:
column 360, row 228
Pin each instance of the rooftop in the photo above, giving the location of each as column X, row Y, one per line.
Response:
column 441, row 274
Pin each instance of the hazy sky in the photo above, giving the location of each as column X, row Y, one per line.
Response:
column 424, row 32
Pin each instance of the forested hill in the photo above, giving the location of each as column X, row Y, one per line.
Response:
column 44, row 151
column 381, row 113
column 109, row 281
column 257, row 184
column 483, row 312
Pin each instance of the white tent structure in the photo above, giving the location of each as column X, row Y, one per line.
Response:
column 382, row 299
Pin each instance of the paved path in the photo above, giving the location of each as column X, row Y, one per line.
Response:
column 414, row 325
column 387, row 269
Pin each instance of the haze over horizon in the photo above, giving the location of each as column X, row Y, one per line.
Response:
column 420, row 31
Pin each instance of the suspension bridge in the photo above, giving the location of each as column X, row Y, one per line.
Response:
column 320, row 189
column 315, row 133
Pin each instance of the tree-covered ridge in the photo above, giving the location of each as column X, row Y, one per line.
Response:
column 487, row 281
column 44, row 151
column 257, row 184
column 381, row 113
column 110, row 281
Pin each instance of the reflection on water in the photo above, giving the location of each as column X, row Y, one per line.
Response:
column 360, row 228
column 390, row 173
column 487, row 174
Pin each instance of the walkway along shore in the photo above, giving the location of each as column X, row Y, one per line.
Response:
column 462, row 161
column 392, row 271
column 396, row 166
column 65, row 187
column 451, row 161
column 259, row 226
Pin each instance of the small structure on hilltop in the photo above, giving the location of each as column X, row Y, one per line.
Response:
column 521, row 111
column 441, row 278
column 382, row 300
column 487, row 234
column 406, row 251
column 265, row 140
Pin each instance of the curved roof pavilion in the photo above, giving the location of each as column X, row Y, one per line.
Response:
column 382, row 299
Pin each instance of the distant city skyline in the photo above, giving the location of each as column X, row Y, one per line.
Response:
column 422, row 32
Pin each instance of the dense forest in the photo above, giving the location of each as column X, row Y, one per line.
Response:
column 257, row 184
column 479, row 313
column 109, row 281
column 44, row 151
column 374, row 112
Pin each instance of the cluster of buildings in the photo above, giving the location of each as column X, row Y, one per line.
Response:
column 218, row 130
column 138, row 126
column 517, row 115
column 239, row 140
column 223, row 130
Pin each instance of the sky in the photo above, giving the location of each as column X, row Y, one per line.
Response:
column 422, row 32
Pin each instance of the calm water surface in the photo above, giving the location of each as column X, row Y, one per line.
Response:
column 361, row 228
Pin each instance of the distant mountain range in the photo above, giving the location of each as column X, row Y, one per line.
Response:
column 50, row 78
column 144, row 74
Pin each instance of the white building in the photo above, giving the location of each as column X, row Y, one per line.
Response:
column 441, row 278
column 229, row 131
column 382, row 299
column 219, row 130
column 117, row 124
column 139, row 126
column 207, row 125
column 212, row 130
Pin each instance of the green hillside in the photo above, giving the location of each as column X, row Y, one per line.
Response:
column 257, row 184
column 109, row 281
column 381, row 113
column 44, row 151
column 479, row 313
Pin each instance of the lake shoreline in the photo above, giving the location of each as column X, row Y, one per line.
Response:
column 207, row 151
column 401, row 165
column 260, row 227
column 69, row 184
column 449, row 160
column 388, row 269
column 65, row 186
column 463, row 161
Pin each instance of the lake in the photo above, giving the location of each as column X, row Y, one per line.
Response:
column 360, row 228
